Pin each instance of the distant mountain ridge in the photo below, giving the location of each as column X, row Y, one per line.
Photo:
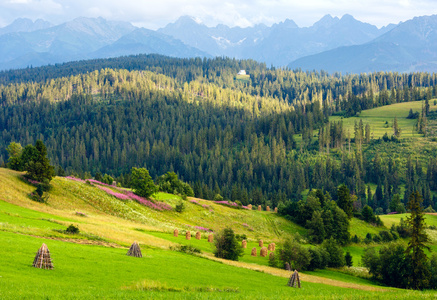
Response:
column 279, row 44
column 408, row 47
column 332, row 44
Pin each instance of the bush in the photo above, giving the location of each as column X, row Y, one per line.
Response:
column 170, row 183
column 187, row 249
column 241, row 237
column 319, row 258
column 385, row 236
column 355, row 239
column 72, row 229
column 389, row 265
column 273, row 260
column 336, row 256
column 180, row 207
column 348, row 259
column 296, row 255
column 226, row 245
column 142, row 183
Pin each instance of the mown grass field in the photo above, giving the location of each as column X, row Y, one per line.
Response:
column 381, row 119
column 93, row 263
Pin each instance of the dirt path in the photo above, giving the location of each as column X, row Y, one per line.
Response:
column 303, row 277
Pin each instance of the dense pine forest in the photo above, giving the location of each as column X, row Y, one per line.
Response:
column 262, row 139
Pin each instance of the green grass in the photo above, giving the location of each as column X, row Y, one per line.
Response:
column 99, row 268
column 377, row 118
column 242, row 77
column 99, row 272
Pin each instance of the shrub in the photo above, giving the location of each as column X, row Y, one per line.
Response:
column 180, row 207
column 273, row 260
column 241, row 237
column 385, row 236
column 186, row 249
column 388, row 265
column 336, row 256
column 355, row 239
column 72, row 229
column 348, row 259
column 319, row 258
column 296, row 255
column 218, row 197
column 142, row 183
column 226, row 245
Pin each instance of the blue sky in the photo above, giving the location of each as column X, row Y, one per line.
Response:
column 157, row 13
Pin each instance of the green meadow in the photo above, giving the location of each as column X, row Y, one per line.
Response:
column 94, row 264
column 381, row 119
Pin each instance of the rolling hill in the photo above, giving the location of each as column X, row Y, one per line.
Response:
column 108, row 226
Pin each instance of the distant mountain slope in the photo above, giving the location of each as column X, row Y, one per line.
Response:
column 144, row 41
column 68, row 41
column 25, row 25
column 277, row 45
column 219, row 40
column 408, row 47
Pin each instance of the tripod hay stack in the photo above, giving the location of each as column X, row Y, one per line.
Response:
column 198, row 235
column 42, row 259
column 188, row 235
column 244, row 244
column 210, row 238
column 294, row 280
column 176, row 233
column 135, row 250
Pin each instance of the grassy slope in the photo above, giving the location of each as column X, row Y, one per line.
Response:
column 102, row 269
column 377, row 118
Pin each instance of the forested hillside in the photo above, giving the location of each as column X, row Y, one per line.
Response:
column 262, row 140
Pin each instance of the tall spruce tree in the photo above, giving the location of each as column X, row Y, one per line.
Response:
column 39, row 167
column 418, row 277
column 344, row 200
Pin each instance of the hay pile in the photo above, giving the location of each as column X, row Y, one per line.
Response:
column 188, row 235
column 259, row 207
column 244, row 244
column 268, row 208
column 198, row 235
column 210, row 238
column 176, row 233
column 253, row 251
column 135, row 250
column 276, row 209
column 263, row 252
column 42, row 259
column 271, row 247
column 272, row 256
column 294, row 280
column 261, row 243
column 249, row 206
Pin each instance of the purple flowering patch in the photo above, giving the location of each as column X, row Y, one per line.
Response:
column 125, row 195
column 202, row 228
column 230, row 204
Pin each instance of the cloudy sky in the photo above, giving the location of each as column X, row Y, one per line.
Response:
column 157, row 13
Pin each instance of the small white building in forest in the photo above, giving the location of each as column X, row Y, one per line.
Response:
column 242, row 72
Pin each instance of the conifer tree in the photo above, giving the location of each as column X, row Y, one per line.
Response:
column 418, row 277
column 39, row 168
